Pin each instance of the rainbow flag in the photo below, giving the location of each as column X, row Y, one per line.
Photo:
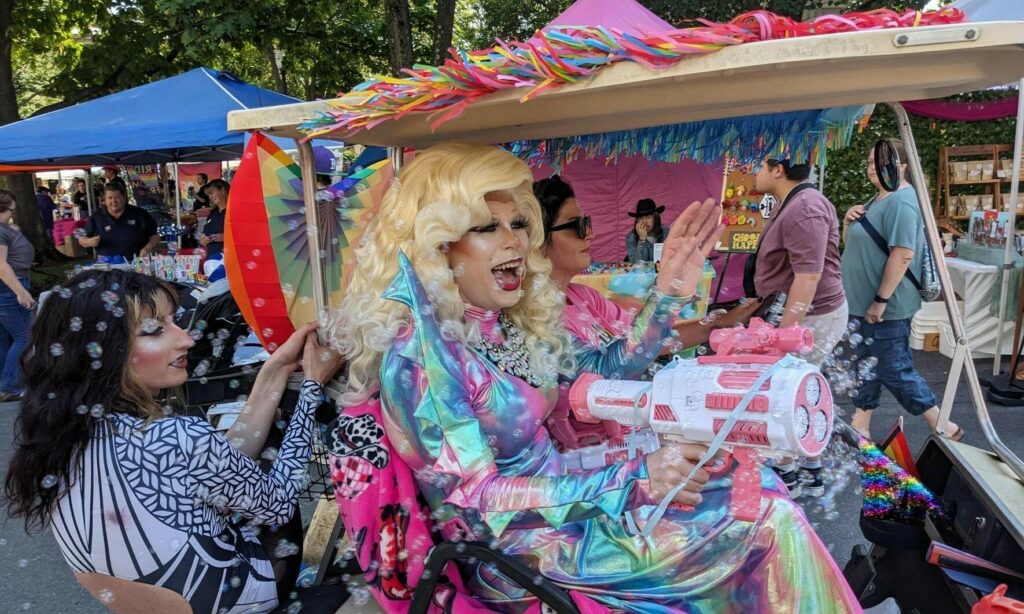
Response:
column 895, row 446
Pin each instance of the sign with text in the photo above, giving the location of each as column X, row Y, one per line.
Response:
column 743, row 242
column 742, row 212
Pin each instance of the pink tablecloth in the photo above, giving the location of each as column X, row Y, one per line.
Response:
column 65, row 228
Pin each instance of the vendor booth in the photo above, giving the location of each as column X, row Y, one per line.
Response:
column 178, row 119
column 790, row 75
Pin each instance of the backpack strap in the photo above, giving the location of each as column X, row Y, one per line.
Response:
column 750, row 267
column 880, row 242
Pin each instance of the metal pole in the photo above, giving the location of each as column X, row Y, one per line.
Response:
column 177, row 204
column 89, row 196
column 307, row 163
column 1011, row 229
column 395, row 155
column 962, row 356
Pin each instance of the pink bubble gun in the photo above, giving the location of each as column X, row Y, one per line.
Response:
column 752, row 400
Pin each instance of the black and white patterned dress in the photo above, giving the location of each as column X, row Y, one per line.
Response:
column 152, row 503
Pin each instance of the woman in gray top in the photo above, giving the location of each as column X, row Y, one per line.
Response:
column 16, row 255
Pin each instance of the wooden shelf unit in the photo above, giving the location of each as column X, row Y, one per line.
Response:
column 948, row 187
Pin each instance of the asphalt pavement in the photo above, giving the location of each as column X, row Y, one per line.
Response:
column 35, row 578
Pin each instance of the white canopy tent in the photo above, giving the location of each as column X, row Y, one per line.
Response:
column 1003, row 10
column 990, row 10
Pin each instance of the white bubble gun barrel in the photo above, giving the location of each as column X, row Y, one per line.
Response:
column 692, row 400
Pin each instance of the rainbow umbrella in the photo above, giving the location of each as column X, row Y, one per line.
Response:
column 266, row 251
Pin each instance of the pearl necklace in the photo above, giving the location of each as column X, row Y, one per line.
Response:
column 511, row 356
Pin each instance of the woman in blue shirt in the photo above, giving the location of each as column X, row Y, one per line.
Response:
column 883, row 300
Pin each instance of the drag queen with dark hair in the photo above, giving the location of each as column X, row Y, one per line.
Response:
column 452, row 316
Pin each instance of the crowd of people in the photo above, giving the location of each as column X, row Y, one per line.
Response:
column 466, row 328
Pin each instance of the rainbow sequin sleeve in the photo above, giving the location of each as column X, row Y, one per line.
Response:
column 620, row 356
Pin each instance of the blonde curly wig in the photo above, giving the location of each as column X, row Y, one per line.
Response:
column 439, row 196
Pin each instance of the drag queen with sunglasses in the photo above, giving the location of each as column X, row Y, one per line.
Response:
column 451, row 315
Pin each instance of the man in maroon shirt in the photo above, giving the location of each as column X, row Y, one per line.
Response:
column 799, row 254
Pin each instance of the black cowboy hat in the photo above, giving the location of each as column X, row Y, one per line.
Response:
column 646, row 206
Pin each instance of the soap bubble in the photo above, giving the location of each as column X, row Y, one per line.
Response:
column 57, row 349
column 94, row 349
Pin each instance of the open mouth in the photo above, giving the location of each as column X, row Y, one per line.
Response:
column 509, row 275
column 180, row 362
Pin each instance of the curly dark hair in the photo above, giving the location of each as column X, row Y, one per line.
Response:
column 551, row 193
column 77, row 369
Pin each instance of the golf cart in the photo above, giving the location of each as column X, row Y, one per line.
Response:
column 983, row 489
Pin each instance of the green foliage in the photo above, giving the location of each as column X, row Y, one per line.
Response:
column 846, row 183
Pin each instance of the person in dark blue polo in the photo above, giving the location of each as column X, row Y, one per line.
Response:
column 213, row 232
column 120, row 230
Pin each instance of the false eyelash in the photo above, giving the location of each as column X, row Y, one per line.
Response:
column 488, row 228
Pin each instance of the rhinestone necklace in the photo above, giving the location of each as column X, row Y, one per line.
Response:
column 511, row 356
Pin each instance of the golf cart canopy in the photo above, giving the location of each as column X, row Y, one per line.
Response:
column 794, row 74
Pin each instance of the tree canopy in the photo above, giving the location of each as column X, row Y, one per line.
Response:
column 60, row 52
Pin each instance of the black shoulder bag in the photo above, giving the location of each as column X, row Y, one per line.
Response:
column 931, row 289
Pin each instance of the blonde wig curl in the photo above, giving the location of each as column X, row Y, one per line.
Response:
column 441, row 195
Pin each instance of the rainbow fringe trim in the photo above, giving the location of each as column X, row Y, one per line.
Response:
column 565, row 54
column 799, row 135
column 890, row 493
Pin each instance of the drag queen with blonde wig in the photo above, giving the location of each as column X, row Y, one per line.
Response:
column 452, row 317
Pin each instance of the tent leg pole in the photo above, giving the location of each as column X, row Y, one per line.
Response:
column 89, row 195
column 177, row 204
column 1011, row 230
column 307, row 163
column 932, row 236
column 90, row 198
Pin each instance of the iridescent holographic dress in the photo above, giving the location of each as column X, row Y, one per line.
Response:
column 474, row 437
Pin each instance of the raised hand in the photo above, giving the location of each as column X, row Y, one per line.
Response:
column 690, row 239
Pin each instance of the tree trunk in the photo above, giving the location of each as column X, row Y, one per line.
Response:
column 443, row 26
column 276, row 71
column 396, row 14
column 26, row 215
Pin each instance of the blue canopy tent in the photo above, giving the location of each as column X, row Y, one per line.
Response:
column 178, row 119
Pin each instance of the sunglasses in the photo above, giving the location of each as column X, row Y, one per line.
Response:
column 581, row 225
